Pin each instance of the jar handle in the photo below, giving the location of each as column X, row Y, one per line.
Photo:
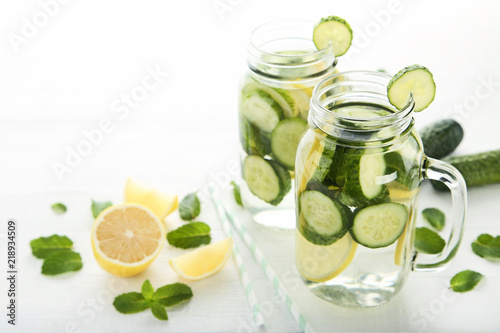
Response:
column 437, row 170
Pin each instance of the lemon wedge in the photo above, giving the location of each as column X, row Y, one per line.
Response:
column 161, row 204
column 203, row 262
column 323, row 263
column 126, row 239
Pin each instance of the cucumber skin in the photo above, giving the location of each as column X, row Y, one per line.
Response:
column 441, row 138
column 477, row 169
column 253, row 141
column 284, row 179
column 347, row 217
column 352, row 193
column 285, row 182
column 323, row 169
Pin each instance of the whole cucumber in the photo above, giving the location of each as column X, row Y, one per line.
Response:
column 477, row 169
column 441, row 138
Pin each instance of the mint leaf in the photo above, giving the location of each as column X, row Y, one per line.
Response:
column 98, row 207
column 189, row 207
column 167, row 295
column 487, row 246
column 147, row 290
column 132, row 302
column 172, row 294
column 190, row 235
column 42, row 247
column 435, row 217
column 427, row 241
column 465, row 281
column 159, row 311
column 62, row 261
column 237, row 193
column 59, row 208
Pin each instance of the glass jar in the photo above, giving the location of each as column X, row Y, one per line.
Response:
column 358, row 174
column 283, row 67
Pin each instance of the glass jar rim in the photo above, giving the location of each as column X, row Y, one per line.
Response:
column 284, row 50
column 366, row 90
column 253, row 46
column 322, row 86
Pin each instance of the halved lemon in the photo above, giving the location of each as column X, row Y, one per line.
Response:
column 203, row 262
column 161, row 204
column 322, row 263
column 126, row 239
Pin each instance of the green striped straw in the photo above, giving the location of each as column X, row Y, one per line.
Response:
column 269, row 272
column 242, row 270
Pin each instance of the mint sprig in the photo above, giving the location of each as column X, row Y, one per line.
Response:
column 132, row 302
column 427, row 241
column 435, row 217
column 168, row 295
column 189, row 207
column 98, row 206
column 237, row 193
column 58, row 208
column 190, row 235
column 465, row 281
column 57, row 254
column 487, row 246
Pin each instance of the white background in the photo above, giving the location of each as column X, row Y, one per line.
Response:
column 65, row 76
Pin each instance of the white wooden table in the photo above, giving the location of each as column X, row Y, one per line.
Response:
column 70, row 79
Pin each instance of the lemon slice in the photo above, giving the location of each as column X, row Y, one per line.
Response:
column 323, row 263
column 203, row 262
column 161, row 204
column 126, row 239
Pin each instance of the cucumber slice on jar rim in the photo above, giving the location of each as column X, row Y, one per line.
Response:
column 416, row 80
column 335, row 31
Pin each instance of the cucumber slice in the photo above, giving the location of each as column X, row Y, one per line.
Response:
column 362, row 172
column 285, row 140
column 415, row 79
column 334, row 30
column 325, row 220
column 261, row 110
column 254, row 141
column 265, row 179
column 326, row 164
column 282, row 97
column 379, row 225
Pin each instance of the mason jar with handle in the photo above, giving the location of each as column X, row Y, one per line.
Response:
column 358, row 173
column 283, row 67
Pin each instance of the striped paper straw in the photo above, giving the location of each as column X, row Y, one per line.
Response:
column 242, row 270
column 269, row 272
